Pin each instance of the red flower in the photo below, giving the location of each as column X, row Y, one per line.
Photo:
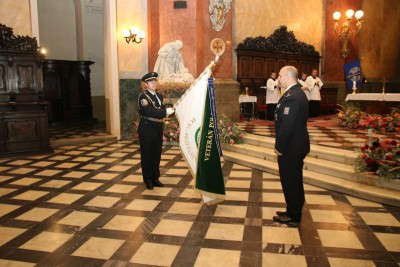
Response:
column 389, row 157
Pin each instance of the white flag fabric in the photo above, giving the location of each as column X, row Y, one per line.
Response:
column 189, row 111
column 197, row 138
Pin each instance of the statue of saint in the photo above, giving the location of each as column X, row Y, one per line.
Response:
column 170, row 66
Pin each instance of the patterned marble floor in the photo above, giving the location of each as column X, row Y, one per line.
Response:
column 83, row 130
column 323, row 130
column 85, row 205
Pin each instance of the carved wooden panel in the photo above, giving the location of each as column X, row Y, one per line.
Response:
column 259, row 67
column 19, row 130
column 26, row 79
column 23, row 111
column 254, row 68
column 245, row 66
column 2, row 78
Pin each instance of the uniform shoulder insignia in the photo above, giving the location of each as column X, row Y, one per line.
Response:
column 144, row 102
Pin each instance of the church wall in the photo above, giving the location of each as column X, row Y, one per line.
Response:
column 132, row 57
column 16, row 14
column 380, row 40
column 57, row 29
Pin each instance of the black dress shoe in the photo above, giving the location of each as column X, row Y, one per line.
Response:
column 149, row 185
column 280, row 213
column 158, row 184
column 285, row 219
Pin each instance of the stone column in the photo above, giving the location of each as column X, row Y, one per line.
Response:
column 227, row 89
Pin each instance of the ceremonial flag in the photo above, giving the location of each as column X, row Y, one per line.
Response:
column 198, row 138
column 353, row 74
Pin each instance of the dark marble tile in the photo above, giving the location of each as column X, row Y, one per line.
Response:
column 315, row 251
column 26, row 255
column 252, row 234
column 187, row 255
column 198, row 230
column 252, row 246
column 313, row 261
column 250, row 259
column 80, row 261
column 309, row 237
column 254, row 212
column 228, row 220
column 222, row 244
column 165, row 239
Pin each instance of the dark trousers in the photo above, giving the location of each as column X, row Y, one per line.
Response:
column 314, row 106
column 271, row 112
column 150, row 139
column 291, row 175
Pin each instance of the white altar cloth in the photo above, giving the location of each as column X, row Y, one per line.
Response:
column 374, row 97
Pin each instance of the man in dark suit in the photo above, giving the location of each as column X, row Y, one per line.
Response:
column 292, row 144
column 152, row 113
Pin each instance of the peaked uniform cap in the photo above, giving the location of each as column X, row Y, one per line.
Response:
column 150, row 76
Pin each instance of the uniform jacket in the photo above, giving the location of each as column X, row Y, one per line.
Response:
column 315, row 85
column 150, row 107
column 291, row 135
column 273, row 93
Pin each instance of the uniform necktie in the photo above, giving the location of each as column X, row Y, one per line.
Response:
column 159, row 101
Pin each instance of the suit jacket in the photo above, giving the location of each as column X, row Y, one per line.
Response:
column 149, row 106
column 291, row 135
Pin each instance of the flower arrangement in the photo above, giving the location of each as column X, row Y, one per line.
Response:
column 349, row 116
column 380, row 158
column 229, row 132
column 171, row 130
column 352, row 117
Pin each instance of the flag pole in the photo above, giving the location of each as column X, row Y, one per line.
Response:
column 212, row 64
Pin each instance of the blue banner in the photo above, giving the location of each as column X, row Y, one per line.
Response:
column 352, row 72
column 214, row 113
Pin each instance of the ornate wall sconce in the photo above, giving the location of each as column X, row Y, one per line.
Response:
column 345, row 32
column 133, row 35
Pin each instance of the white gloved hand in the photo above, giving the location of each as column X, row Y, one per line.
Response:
column 170, row 111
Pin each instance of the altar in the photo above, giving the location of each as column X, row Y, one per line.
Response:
column 375, row 103
column 247, row 106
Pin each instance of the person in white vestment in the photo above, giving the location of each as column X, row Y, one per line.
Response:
column 315, row 84
column 273, row 95
column 302, row 82
column 170, row 66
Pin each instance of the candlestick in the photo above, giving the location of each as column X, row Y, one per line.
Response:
column 354, row 87
column 383, row 85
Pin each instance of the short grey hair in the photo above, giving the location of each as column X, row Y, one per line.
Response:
column 291, row 72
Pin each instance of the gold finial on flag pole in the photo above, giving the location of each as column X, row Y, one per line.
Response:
column 217, row 47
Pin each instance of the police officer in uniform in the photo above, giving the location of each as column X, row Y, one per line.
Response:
column 292, row 144
column 152, row 114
